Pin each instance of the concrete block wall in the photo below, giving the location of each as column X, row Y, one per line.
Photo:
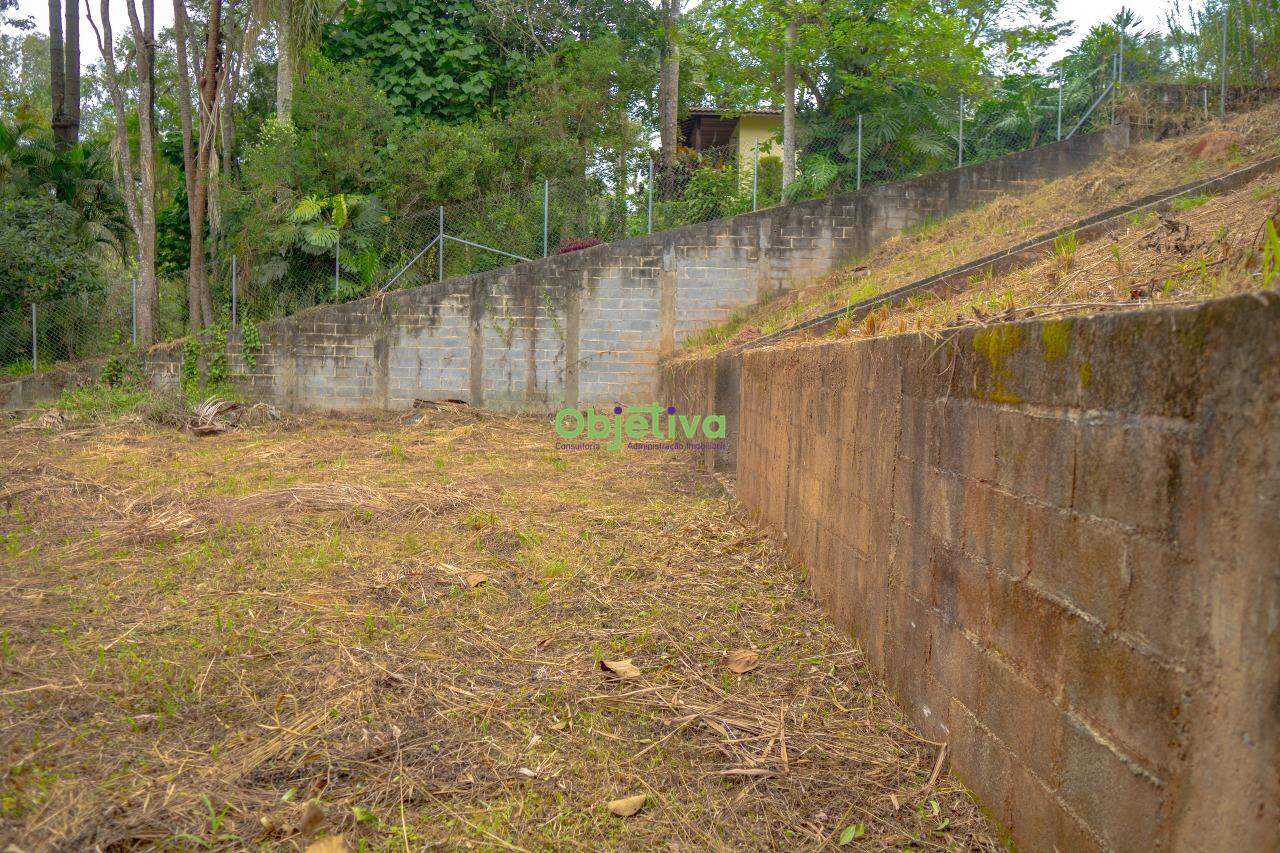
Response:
column 1060, row 543
column 589, row 328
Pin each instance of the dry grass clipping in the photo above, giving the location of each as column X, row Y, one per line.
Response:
column 1211, row 248
column 393, row 632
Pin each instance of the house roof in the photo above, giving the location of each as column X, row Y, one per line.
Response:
column 728, row 113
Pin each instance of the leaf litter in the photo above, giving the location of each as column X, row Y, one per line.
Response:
column 280, row 638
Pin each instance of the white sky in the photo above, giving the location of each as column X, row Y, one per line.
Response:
column 89, row 53
column 1085, row 13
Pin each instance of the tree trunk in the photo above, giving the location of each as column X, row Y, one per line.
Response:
column 669, row 96
column 235, row 67
column 123, row 152
column 144, row 52
column 284, row 64
column 57, row 76
column 195, row 225
column 71, row 77
column 621, row 189
column 789, row 105
column 211, row 75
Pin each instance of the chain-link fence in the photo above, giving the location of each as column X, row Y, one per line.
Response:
column 83, row 325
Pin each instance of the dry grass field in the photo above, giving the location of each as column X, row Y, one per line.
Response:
column 431, row 632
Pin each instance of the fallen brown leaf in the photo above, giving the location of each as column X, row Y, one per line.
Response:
column 475, row 579
column 627, row 806
column 621, row 668
column 330, row 844
column 742, row 661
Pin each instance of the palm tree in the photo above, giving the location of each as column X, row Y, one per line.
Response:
column 22, row 154
column 82, row 178
column 79, row 177
column 328, row 247
column 298, row 25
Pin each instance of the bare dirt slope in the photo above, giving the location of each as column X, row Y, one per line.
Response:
column 1125, row 176
column 395, row 632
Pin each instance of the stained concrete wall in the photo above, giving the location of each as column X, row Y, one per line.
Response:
column 590, row 327
column 1060, row 543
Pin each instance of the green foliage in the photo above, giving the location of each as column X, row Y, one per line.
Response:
column 100, row 400
column 39, row 255
column 432, row 58
column 1189, row 202
column 1065, row 244
column 815, row 175
column 712, row 193
column 190, row 373
column 123, row 367
column 19, row 367
column 204, row 361
column 250, row 344
column 1253, row 41
column 336, row 142
column 1271, row 255
column 173, row 237
column 80, row 178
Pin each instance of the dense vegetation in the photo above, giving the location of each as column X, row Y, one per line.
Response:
column 316, row 141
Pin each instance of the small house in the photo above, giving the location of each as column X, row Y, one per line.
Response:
column 711, row 131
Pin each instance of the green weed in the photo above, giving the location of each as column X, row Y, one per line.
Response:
column 1189, row 202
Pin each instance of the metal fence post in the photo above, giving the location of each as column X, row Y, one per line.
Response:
column 440, row 248
column 755, row 177
column 960, row 147
column 235, row 315
column 133, row 305
column 1222, row 71
column 1060, row 106
column 546, row 200
column 650, row 193
column 35, row 351
column 337, row 259
column 859, row 184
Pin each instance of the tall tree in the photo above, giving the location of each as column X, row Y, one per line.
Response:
column 298, row 26
column 57, row 70
column 123, row 152
column 64, row 73
column 669, row 94
column 242, row 45
column 285, row 26
column 71, row 75
column 144, row 38
column 789, row 101
column 198, row 153
column 142, row 211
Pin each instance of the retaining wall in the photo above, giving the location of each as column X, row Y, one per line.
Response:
column 589, row 328
column 1060, row 544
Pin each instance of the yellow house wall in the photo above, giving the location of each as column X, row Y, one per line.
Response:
column 762, row 129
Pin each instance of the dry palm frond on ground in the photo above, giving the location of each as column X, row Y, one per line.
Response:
column 430, row 631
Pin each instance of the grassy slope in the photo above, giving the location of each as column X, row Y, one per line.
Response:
column 937, row 246
column 404, row 623
column 1206, row 246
